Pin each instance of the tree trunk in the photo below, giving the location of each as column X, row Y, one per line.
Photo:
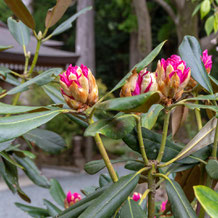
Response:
column 144, row 27
column 85, row 35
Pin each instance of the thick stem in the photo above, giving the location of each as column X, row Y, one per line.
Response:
column 198, row 118
column 164, row 136
column 140, row 139
column 35, row 57
column 105, row 158
column 151, row 195
column 214, row 151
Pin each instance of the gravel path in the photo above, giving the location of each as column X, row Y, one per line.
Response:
column 68, row 180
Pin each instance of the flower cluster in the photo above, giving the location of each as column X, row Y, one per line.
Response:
column 71, row 199
column 79, row 88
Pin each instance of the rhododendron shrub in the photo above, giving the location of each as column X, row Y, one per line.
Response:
column 158, row 160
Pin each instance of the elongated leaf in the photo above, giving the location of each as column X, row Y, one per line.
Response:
column 57, row 192
column 89, row 190
column 202, row 139
column 137, row 103
column 180, row 205
column 134, row 165
column 208, row 199
column 203, row 97
column 214, row 83
column 201, row 106
column 54, row 14
column 212, row 168
column 20, row 10
column 115, row 128
column 146, row 61
column 95, row 166
column 32, row 171
column 14, row 126
column 112, row 198
column 40, row 80
column 5, row 145
column 190, row 52
column 51, row 208
column 75, row 210
column 104, row 179
column 47, row 140
column 77, row 120
column 5, row 47
column 9, row 159
column 131, row 209
column 19, row 31
column 12, row 80
column 33, row 211
column 149, row 119
column 13, row 109
column 68, row 23
column 3, row 72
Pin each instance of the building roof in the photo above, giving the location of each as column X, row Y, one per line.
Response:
column 48, row 56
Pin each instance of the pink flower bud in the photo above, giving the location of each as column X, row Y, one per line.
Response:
column 136, row 196
column 172, row 77
column 72, row 199
column 163, row 206
column 79, row 88
column 207, row 60
column 139, row 83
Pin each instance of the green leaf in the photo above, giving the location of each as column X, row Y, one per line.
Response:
column 200, row 106
column 5, row 47
column 134, row 165
column 9, row 159
column 212, row 168
column 203, row 138
column 146, row 61
column 104, row 179
column 75, row 210
column 112, row 198
column 3, row 72
column 32, row 171
column 205, row 8
column 137, row 103
column 95, row 166
column 47, row 140
column 149, row 119
column 12, row 80
column 89, row 190
column 68, row 23
column 213, row 97
column 77, row 120
column 33, row 211
column 208, row 199
column 57, row 192
column 20, row 10
column 131, row 209
column 14, row 126
column 115, row 128
column 209, row 25
column 19, row 31
column 51, row 208
column 180, row 205
column 214, row 83
column 197, row 8
column 5, row 145
column 190, row 52
column 40, row 80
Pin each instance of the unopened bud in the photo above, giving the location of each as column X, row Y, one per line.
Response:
column 136, row 196
column 71, row 199
column 39, row 35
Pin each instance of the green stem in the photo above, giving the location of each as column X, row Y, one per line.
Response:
column 35, row 57
column 164, row 136
column 198, row 118
column 144, row 196
column 105, row 158
column 214, row 151
column 140, row 139
column 151, row 195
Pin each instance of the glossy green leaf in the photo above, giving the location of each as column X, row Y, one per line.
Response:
column 68, row 23
column 12, row 80
column 201, row 106
column 180, row 205
column 77, row 120
column 115, row 128
column 32, row 171
column 213, row 97
column 190, row 52
column 104, row 179
column 57, row 192
column 89, row 190
column 145, row 62
column 131, row 209
column 205, row 8
column 75, row 210
column 40, row 80
column 137, row 103
column 134, row 165
column 5, row 145
column 95, row 166
column 106, row 205
column 208, row 199
column 14, row 126
column 33, row 211
column 47, row 140
column 209, row 25
column 19, row 31
column 7, row 157
column 4, row 72
column 20, row 10
column 149, row 119
column 212, row 168
column 51, row 208
column 5, row 47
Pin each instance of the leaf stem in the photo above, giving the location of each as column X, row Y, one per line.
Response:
column 214, row 151
column 144, row 196
column 198, row 118
column 140, row 139
column 164, row 136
